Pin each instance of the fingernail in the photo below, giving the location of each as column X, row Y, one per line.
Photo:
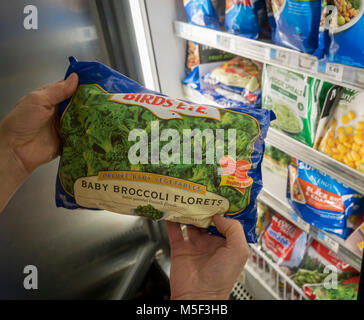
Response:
column 71, row 77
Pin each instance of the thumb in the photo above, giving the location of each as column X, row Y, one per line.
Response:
column 61, row 90
column 232, row 230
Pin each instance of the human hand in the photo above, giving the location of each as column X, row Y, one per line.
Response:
column 29, row 131
column 206, row 267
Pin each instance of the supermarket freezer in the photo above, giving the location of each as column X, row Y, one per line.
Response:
column 78, row 254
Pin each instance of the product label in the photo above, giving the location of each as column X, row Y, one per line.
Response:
column 177, row 199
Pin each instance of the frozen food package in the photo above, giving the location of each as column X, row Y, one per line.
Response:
column 202, row 13
column 318, row 263
column 224, row 98
column 201, row 55
column 238, row 75
column 344, row 290
column 284, row 242
column 341, row 32
column 264, row 215
column 297, row 101
column 297, row 24
column 276, row 160
column 130, row 150
column 242, row 17
column 321, row 200
column 343, row 138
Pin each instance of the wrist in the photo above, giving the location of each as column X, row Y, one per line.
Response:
column 12, row 171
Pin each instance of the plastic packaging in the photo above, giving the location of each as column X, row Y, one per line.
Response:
column 322, row 201
column 297, row 101
column 133, row 151
column 340, row 36
column 239, row 75
column 297, row 24
column 343, row 138
column 284, row 242
column 202, row 13
column 242, row 17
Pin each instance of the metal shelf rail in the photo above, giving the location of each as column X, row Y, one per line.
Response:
column 268, row 275
column 315, row 158
column 269, row 53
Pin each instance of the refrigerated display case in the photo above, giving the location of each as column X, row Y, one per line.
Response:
column 168, row 32
column 146, row 40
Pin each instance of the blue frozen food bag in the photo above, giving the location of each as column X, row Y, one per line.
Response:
column 321, row 200
column 130, row 150
column 202, row 13
column 297, row 24
column 241, row 17
column 346, row 32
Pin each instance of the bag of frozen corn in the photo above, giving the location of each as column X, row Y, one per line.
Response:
column 343, row 138
column 133, row 151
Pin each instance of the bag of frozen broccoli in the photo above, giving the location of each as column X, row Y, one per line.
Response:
column 133, row 151
column 297, row 101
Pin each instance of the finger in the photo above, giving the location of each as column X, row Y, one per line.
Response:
column 194, row 234
column 61, row 90
column 232, row 230
column 174, row 232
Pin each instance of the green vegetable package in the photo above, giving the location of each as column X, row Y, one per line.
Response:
column 133, row 151
column 296, row 100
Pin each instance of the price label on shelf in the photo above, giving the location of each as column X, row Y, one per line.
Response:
column 335, row 70
column 300, row 223
column 308, row 63
column 280, row 56
column 253, row 50
column 224, row 41
column 184, row 30
column 328, row 242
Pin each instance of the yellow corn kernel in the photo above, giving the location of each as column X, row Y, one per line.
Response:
column 333, row 123
column 352, row 165
column 328, row 151
column 349, row 157
column 358, row 132
column 349, row 129
column 345, row 119
column 355, row 155
column 336, row 157
column 340, row 130
column 331, row 133
column 360, row 125
column 351, row 115
column 342, row 149
column 334, row 150
column 330, row 142
column 358, row 140
column 361, row 151
column 346, row 160
column 342, row 138
column 355, row 147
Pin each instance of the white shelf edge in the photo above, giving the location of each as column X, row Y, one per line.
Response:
column 335, row 169
column 351, row 77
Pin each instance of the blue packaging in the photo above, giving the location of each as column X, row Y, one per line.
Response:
column 321, row 200
column 202, row 13
column 238, row 75
column 342, row 40
column 242, row 17
column 297, row 24
column 96, row 171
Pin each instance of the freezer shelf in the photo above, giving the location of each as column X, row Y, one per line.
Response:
column 269, row 53
column 273, row 195
column 335, row 169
